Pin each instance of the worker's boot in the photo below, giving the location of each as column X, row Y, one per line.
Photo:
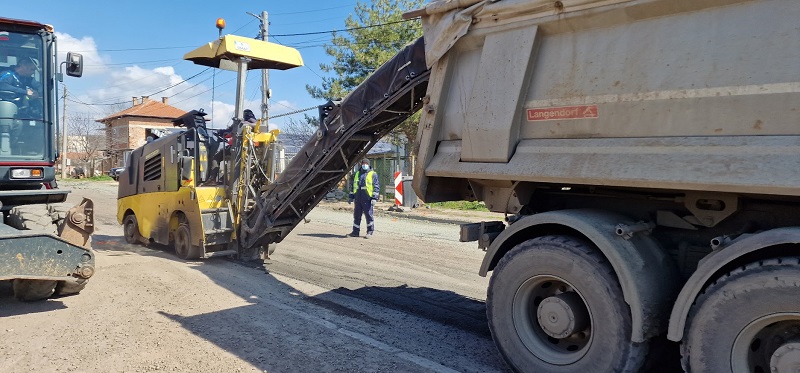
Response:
column 352, row 234
column 369, row 235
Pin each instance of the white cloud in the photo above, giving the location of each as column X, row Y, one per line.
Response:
column 106, row 84
column 223, row 112
column 282, row 106
column 94, row 63
column 119, row 86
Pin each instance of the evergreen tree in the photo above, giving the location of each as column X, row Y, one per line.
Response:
column 361, row 50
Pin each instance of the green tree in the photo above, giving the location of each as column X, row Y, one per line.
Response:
column 361, row 50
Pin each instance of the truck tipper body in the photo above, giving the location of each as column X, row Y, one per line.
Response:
column 646, row 154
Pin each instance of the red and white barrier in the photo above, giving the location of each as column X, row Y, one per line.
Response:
column 398, row 188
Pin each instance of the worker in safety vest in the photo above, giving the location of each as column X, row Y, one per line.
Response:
column 365, row 192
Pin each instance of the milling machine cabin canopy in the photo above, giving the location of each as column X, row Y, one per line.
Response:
column 225, row 52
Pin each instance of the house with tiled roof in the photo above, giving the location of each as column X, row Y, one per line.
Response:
column 129, row 128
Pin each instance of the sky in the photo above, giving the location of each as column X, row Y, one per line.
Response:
column 135, row 48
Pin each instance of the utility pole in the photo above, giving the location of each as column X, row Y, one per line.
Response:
column 265, row 72
column 264, row 76
column 265, row 93
column 64, row 137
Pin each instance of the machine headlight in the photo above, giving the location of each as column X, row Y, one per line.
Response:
column 26, row 173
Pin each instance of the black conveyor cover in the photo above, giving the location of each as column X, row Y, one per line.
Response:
column 384, row 100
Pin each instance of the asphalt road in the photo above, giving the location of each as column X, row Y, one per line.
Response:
column 408, row 300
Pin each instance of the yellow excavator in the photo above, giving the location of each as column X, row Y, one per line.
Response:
column 210, row 195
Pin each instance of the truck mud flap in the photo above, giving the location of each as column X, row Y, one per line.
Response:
column 384, row 100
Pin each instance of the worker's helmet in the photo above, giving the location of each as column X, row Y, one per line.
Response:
column 365, row 161
column 249, row 116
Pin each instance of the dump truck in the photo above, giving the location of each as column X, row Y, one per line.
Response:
column 645, row 154
column 44, row 242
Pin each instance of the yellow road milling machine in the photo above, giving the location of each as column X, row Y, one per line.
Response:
column 213, row 192
column 189, row 188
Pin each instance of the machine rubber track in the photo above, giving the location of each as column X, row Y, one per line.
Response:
column 384, row 100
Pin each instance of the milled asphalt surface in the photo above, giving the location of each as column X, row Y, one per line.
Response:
column 407, row 300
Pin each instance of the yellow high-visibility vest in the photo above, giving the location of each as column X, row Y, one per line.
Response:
column 369, row 184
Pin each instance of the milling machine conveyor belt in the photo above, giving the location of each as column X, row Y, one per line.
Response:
column 384, row 100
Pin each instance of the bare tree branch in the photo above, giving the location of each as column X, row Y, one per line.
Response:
column 85, row 138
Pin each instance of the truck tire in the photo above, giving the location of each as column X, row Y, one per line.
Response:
column 31, row 217
column 554, row 304
column 183, row 243
column 130, row 229
column 747, row 321
column 33, row 290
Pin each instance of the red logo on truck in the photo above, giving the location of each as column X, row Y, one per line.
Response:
column 563, row 113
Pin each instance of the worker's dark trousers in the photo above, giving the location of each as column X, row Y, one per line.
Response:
column 363, row 206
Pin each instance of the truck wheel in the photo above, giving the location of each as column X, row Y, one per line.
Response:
column 747, row 321
column 130, row 227
column 31, row 217
column 555, row 305
column 33, row 290
column 183, row 243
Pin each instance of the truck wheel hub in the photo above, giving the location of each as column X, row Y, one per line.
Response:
column 562, row 315
column 786, row 359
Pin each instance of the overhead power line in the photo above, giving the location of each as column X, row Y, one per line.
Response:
column 137, row 49
column 312, row 10
column 207, row 90
column 346, row 29
column 307, row 67
column 292, row 112
column 151, row 94
column 297, row 34
column 131, row 63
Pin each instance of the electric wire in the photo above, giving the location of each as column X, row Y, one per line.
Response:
column 198, row 94
column 136, row 49
column 136, row 80
column 310, row 69
column 293, row 112
column 295, row 34
column 154, row 93
column 312, row 11
column 347, row 29
column 131, row 63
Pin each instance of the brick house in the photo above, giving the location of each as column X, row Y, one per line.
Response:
column 128, row 129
